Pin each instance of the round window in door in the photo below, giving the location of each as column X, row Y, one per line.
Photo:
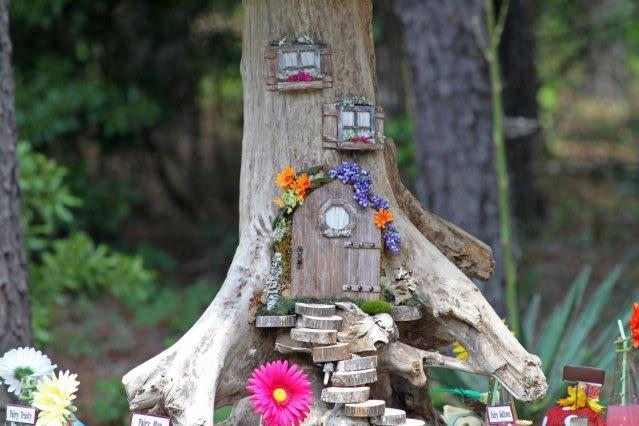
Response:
column 337, row 218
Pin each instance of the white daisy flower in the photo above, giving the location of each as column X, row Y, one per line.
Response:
column 23, row 362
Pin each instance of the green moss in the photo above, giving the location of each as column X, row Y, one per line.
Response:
column 413, row 301
column 372, row 307
column 283, row 306
column 284, row 246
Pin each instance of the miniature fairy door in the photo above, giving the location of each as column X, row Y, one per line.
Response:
column 336, row 246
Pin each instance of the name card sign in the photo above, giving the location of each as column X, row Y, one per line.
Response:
column 138, row 419
column 17, row 414
column 499, row 414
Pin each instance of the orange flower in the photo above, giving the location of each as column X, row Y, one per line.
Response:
column 382, row 217
column 634, row 324
column 301, row 184
column 286, row 177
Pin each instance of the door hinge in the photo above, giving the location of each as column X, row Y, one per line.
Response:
column 300, row 252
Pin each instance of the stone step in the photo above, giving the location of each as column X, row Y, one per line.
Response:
column 354, row 378
column 415, row 422
column 276, row 321
column 346, row 395
column 322, row 323
column 355, row 364
column 391, row 416
column 310, row 335
column 331, row 353
column 314, row 310
column 405, row 313
column 370, row 408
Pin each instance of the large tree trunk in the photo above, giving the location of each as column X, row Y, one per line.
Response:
column 15, row 315
column 524, row 140
column 211, row 363
column 457, row 179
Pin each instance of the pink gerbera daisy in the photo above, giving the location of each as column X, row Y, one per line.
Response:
column 281, row 395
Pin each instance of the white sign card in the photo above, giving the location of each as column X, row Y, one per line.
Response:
column 499, row 414
column 148, row 420
column 20, row 414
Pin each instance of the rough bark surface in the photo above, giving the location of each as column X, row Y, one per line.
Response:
column 453, row 120
column 517, row 58
column 211, row 363
column 15, row 322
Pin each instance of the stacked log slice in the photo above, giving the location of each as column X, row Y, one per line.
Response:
column 415, row 422
column 370, row 408
column 391, row 417
column 314, row 310
column 354, row 378
column 310, row 335
column 354, row 364
column 332, row 322
column 275, row 321
column 345, row 395
column 331, row 353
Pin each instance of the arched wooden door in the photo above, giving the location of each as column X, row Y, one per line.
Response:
column 336, row 246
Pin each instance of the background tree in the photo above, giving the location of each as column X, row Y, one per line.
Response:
column 15, row 316
column 454, row 151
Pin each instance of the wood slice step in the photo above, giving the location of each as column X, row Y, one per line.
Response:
column 370, row 408
column 405, row 313
column 310, row 335
column 275, row 321
column 415, row 422
column 354, row 364
column 330, row 353
column 346, row 395
column 314, row 310
column 322, row 323
column 354, row 378
column 391, row 416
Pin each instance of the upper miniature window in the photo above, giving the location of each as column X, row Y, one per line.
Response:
column 298, row 63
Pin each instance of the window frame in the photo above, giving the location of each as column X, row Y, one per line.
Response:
column 356, row 109
column 298, row 49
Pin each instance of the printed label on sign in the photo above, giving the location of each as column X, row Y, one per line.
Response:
column 22, row 415
column 147, row 420
column 499, row 414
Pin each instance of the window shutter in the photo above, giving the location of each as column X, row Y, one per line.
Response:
column 270, row 67
column 379, row 120
column 329, row 125
column 326, row 66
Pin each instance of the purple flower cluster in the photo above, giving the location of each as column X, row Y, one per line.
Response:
column 352, row 173
column 391, row 237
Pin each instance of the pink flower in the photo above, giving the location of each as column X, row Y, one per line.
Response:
column 300, row 76
column 282, row 395
column 362, row 138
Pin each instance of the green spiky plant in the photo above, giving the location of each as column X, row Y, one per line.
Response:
column 571, row 333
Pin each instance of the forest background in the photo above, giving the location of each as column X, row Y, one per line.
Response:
column 129, row 115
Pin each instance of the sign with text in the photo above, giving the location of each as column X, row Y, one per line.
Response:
column 499, row 414
column 17, row 414
column 149, row 420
